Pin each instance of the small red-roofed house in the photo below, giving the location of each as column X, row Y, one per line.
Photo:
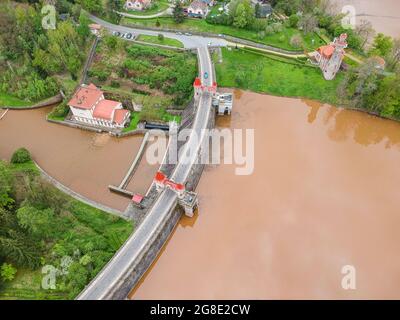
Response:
column 88, row 106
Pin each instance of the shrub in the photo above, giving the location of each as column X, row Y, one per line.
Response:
column 60, row 111
column 296, row 41
column 115, row 84
column 293, row 20
column 21, row 156
column 160, row 37
column 277, row 27
column 269, row 30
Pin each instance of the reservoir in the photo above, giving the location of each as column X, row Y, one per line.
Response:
column 323, row 195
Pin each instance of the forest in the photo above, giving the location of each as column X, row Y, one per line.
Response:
column 43, row 229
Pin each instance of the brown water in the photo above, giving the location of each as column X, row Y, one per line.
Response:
column 383, row 14
column 84, row 161
column 324, row 194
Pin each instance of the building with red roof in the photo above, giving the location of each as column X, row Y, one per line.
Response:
column 137, row 4
column 330, row 57
column 88, row 106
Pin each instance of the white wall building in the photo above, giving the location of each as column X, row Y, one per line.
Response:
column 137, row 4
column 88, row 106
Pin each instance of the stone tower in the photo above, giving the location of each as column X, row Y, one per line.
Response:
column 330, row 57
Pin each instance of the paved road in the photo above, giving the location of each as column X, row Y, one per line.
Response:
column 165, row 12
column 106, row 282
column 189, row 42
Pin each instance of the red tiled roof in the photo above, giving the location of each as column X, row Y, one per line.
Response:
column 137, row 198
column 119, row 115
column 85, row 97
column 95, row 26
column 326, row 51
column 104, row 109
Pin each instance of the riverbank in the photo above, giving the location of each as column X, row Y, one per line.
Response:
column 274, row 75
column 86, row 162
column 323, row 195
column 87, row 235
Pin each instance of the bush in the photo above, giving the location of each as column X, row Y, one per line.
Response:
column 296, row 41
column 269, row 30
column 293, row 20
column 160, row 37
column 21, row 156
column 60, row 111
column 115, row 84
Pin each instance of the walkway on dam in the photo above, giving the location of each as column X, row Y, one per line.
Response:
column 107, row 284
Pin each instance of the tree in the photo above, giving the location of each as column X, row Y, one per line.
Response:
column 83, row 28
column 5, row 186
column 296, row 41
column 365, row 31
column 35, row 220
column 308, row 23
column 382, row 45
column 178, row 14
column 393, row 58
column 7, row 272
column 244, row 14
column 110, row 41
column 360, row 85
column 257, row 10
column 293, row 20
column 160, row 37
column 21, row 156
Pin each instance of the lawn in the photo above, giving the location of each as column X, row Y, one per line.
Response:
column 133, row 123
column 89, row 236
column 164, row 41
column 279, row 39
column 158, row 6
column 277, row 76
column 7, row 100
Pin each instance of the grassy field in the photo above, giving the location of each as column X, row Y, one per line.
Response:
column 78, row 231
column 279, row 39
column 7, row 100
column 158, row 6
column 273, row 75
column 165, row 41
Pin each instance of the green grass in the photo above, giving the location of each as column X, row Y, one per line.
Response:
column 279, row 40
column 7, row 100
column 134, row 121
column 158, row 6
column 165, row 41
column 276, row 76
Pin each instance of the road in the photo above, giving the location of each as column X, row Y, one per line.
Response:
column 117, row 269
column 189, row 42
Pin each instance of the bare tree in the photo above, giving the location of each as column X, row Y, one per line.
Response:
column 393, row 58
column 308, row 23
column 365, row 31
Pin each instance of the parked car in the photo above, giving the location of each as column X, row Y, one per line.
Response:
column 116, row 33
column 129, row 36
column 209, row 44
column 187, row 34
column 179, row 33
